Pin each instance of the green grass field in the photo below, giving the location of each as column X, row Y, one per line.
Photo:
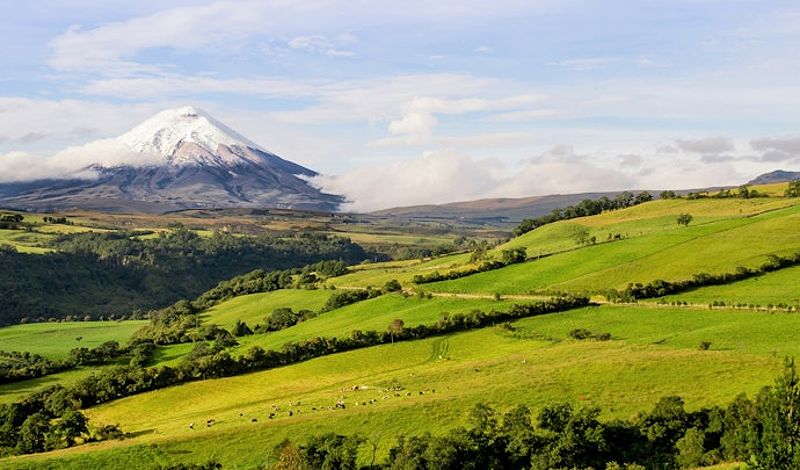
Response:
column 535, row 364
column 778, row 287
column 377, row 275
column 370, row 315
column 54, row 340
column 252, row 309
column 654, row 350
column 674, row 254
column 16, row 391
column 25, row 242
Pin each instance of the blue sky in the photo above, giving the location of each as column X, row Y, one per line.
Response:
column 417, row 101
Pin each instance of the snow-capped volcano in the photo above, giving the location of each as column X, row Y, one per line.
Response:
column 187, row 136
column 180, row 158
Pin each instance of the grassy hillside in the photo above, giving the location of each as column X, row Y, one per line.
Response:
column 535, row 364
column 779, row 287
column 378, row 275
column 54, row 340
column 370, row 315
column 654, row 349
column 673, row 253
column 252, row 309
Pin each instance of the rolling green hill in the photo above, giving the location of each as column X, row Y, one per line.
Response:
column 534, row 364
column 708, row 356
column 673, row 253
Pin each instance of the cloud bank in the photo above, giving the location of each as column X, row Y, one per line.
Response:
column 72, row 162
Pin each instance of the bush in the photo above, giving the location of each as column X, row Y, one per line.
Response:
column 392, row 286
column 705, row 345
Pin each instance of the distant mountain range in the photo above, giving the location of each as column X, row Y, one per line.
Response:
column 502, row 211
column 188, row 160
column 497, row 211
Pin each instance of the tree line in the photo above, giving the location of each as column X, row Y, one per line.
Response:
column 507, row 257
column 660, row 288
column 18, row 366
column 584, row 208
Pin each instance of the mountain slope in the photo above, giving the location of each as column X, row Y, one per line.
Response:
column 777, row 176
column 182, row 158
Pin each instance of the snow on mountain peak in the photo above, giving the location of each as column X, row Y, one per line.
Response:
column 187, row 136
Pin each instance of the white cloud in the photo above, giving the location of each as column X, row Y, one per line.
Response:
column 418, row 121
column 484, row 50
column 112, row 48
column 440, row 177
column 790, row 145
column 24, row 118
column 320, row 44
column 711, row 145
column 73, row 162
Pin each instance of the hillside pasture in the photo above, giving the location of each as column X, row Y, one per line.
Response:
column 54, row 340
column 371, row 315
column 777, row 287
column 254, row 308
column 534, row 364
column 676, row 254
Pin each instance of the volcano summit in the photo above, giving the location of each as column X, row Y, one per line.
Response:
column 180, row 158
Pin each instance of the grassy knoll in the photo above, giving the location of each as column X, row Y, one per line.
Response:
column 54, row 340
column 675, row 254
column 503, row 368
column 253, row 308
column 778, row 287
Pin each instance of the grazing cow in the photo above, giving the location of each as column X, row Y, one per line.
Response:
column 191, row 425
column 290, row 413
column 254, row 420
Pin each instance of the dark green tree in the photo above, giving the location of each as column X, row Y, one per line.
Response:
column 685, row 219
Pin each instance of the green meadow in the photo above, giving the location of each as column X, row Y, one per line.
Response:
column 674, row 254
column 778, row 287
column 535, row 363
column 370, row 315
column 654, row 348
column 254, row 308
column 54, row 340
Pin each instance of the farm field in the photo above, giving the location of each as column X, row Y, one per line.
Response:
column 774, row 288
column 370, row 315
column 54, row 340
column 253, row 308
column 623, row 376
column 715, row 247
column 16, row 391
column 377, row 276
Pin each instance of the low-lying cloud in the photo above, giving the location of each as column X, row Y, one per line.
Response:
column 441, row 177
column 73, row 162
